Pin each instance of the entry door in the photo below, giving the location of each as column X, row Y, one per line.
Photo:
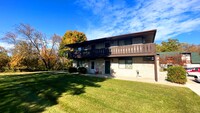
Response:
column 107, row 67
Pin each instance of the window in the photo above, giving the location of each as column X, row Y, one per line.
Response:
column 125, row 63
column 128, row 41
column 121, row 42
column 92, row 65
column 107, row 45
column 125, row 42
column 93, row 47
column 79, row 63
column 79, row 49
column 148, row 58
column 121, row 63
column 138, row 40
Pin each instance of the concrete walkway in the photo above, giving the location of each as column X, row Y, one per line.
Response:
column 161, row 79
column 191, row 84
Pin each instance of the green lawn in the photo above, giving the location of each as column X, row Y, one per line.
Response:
column 60, row 93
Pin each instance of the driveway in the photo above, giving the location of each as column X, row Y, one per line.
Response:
column 194, row 86
column 191, row 84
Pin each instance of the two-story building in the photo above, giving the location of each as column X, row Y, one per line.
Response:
column 130, row 55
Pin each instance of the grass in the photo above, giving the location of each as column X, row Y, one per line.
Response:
column 60, row 93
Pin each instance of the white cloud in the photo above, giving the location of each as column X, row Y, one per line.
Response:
column 169, row 17
column 6, row 45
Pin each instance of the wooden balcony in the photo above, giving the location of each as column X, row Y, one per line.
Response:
column 116, row 51
column 133, row 50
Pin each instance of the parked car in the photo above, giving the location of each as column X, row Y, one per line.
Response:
column 196, row 69
column 189, row 69
column 194, row 72
column 197, row 77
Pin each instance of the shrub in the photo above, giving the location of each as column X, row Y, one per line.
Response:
column 82, row 70
column 72, row 69
column 176, row 74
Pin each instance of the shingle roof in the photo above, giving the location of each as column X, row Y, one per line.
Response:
column 149, row 38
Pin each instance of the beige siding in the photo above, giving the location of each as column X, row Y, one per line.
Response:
column 146, row 69
column 98, row 65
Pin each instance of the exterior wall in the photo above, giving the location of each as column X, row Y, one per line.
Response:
column 188, row 63
column 186, row 58
column 145, row 68
column 98, row 65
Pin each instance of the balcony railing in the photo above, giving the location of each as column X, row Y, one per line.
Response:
column 128, row 50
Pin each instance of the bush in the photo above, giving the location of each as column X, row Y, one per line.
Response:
column 82, row 70
column 176, row 74
column 72, row 69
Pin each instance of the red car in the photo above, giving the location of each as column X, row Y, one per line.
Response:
column 195, row 69
column 188, row 69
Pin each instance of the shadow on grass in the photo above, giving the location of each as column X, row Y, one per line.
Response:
column 35, row 92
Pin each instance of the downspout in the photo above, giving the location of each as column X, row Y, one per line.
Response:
column 155, row 68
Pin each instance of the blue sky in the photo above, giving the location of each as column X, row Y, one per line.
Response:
column 178, row 19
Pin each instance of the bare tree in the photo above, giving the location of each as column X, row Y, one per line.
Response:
column 10, row 37
column 37, row 39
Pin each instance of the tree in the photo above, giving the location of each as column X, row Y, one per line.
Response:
column 190, row 47
column 175, row 59
column 35, row 39
column 4, row 58
column 10, row 37
column 169, row 46
column 71, row 37
column 24, row 56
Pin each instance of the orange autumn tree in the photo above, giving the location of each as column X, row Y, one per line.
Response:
column 69, row 37
column 4, row 58
column 23, row 57
column 51, row 57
